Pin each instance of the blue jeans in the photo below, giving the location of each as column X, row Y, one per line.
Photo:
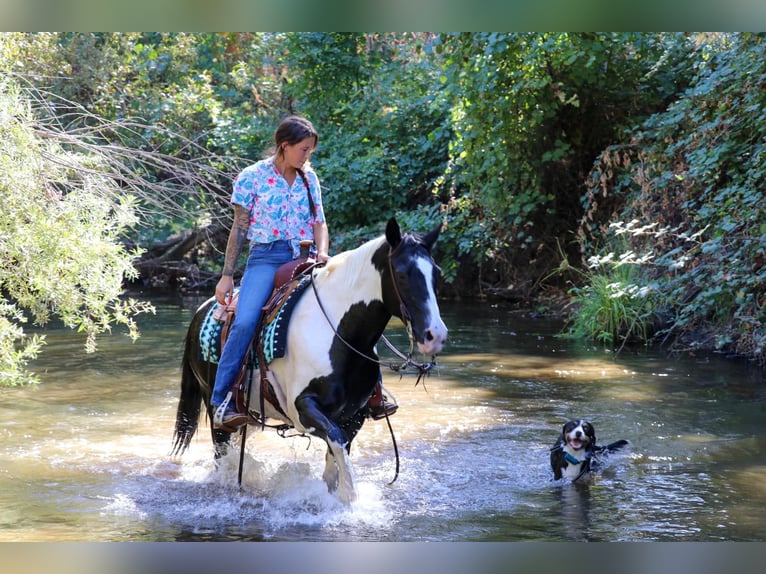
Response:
column 257, row 284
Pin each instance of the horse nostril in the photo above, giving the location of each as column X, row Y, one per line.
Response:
column 429, row 335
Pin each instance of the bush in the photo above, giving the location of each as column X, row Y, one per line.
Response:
column 619, row 302
column 60, row 238
column 696, row 171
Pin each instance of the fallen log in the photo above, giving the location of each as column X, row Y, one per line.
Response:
column 174, row 261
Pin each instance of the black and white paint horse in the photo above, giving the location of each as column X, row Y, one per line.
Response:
column 330, row 366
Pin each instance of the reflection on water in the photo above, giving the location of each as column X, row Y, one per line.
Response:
column 85, row 453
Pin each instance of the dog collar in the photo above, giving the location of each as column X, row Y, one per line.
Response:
column 570, row 459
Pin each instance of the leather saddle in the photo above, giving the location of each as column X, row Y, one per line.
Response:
column 284, row 278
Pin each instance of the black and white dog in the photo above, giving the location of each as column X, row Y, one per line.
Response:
column 576, row 453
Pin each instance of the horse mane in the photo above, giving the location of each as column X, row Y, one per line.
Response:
column 350, row 263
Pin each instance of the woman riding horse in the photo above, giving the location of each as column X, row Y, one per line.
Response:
column 330, row 365
column 277, row 203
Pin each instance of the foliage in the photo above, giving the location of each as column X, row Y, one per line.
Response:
column 60, row 231
column 376, row 102
column 533, row 111
column 382, row 136
column 518, row 142
column 611, row 310
column 619, row 302
column 697, row 169
column 194, row 97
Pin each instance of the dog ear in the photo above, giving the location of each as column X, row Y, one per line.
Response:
column 592, row 432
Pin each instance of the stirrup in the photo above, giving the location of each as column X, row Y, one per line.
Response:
column 385, row 408
column 218, row 414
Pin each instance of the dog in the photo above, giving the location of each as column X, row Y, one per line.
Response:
column 576, row 454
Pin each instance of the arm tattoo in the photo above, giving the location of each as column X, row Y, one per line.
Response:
column 237, row 237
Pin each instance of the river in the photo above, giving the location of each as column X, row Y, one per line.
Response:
column 84, row 455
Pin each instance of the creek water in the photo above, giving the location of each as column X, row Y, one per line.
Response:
column 84, row 454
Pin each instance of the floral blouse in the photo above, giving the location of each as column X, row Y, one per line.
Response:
column 277, row 211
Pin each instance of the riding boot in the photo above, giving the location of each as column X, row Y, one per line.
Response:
column 379, row 404
column 226, row 416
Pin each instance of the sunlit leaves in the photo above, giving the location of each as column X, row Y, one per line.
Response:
column 60, row 240
column 536, row 109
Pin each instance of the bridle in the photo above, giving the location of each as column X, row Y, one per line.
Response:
column 423, row 368
column 405, row 313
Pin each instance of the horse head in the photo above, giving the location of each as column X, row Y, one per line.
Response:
column 410, row 285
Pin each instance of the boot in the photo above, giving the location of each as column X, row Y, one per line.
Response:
column 379, row 404
column 226, row 416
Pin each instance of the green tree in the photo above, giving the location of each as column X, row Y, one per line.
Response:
column 381, row 113
column 694, row 172
column 534, row 111
column 496, row 133
column 61, row 228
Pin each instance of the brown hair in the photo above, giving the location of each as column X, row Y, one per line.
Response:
column 294, row 129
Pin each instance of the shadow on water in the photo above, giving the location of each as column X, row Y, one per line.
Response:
column 85, row 453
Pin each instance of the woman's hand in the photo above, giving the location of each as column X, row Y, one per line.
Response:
column 322, row 241
column 224, row 290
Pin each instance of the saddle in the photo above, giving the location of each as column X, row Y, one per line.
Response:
column 287, row 280
column 284, row 281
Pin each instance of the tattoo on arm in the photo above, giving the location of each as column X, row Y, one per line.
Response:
column 237, row 237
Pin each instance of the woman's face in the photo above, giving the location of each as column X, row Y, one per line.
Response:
column 298, row 154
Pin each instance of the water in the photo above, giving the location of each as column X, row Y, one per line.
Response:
column 84, row 455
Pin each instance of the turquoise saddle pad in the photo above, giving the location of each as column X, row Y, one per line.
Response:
column 274, row 334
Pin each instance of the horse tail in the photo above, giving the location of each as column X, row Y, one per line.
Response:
column 187, row 415
column 190, row 402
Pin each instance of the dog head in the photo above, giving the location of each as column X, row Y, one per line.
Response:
column 579, row 435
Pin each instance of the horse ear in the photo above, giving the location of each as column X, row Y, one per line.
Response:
column 430, row 239
column 393, row 233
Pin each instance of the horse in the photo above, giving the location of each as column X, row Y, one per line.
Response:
column 330, row 365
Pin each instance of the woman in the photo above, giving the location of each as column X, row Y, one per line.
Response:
column 277, row 203
column 273, row 201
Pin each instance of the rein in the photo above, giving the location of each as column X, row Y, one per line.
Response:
column 424, row 369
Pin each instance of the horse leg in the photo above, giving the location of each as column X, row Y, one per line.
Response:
column 345, row 481
column 221, row 442
column 315, row 421
column 330, row 474
column 334, row 467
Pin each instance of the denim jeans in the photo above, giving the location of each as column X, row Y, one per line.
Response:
column 255, row 288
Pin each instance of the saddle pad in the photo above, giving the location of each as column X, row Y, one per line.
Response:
column 210, row 336
column 274, row 333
